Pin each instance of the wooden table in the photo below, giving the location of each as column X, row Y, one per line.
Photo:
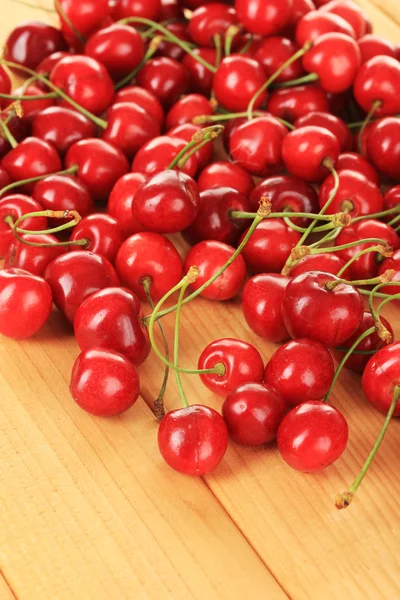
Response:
column 89, row 509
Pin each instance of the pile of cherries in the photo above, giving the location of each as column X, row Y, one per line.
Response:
column 111, row 135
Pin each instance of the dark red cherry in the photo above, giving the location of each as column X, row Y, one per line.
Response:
column 316, row 23
column 304, row 151
column 351, row 12
column 33, row 259
column 328, row 262
column 356, row 193
column 236, row 81
column 61, row 127
column 5, row 85
column 111, row 319
column 19, row 128
column 273, row 52
column 211, row 20
column 165, row 78
column 391, row 263
column 32, row 41
column 380, row 377
column 334, row 124
column 263, row 18
column 149, row 255
column 262, row 305
column 351, row 161
column 32, row 108
column 186, row 109
column 391, row 199
column 85, row 17
column 186, row 132
column 299, row 9
column 242, row 363
column 199, row 77
column 225, row 174
column 171, row 49
column 63, row 192
column 120, row 201
column 373, row 45
column 193, row 440
column 31, row 158
column 145, row 99
column 379, row 79
column 147, row 9
column 14, row 206
column 170, row 9
column 102, row 234
column 292, row 103
column 157, row 154
column 383, row 146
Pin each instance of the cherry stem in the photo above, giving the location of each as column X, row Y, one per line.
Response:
column 384, row 278
column 218, row 47
column 68, row 21
column 71, row 171
column 170, row 36
column 374, row 108
column 199, row 139
column 376, row 295
column 8, row 135
column 275, row 75
column 230, row 34
column 201, row 119
column 349, row 245
column 383, row 251
column 300, row 81
column 343, row 500
column 151, row 50
column 176, row 343
column 389, row 298
column 384, row 213
column 238, row 214
column 34, row 97
column 247, row 45
column 53, row 214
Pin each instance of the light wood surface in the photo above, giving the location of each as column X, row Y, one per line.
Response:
column 89, row 510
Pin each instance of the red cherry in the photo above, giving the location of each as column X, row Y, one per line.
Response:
column 312, row 436
column 85, row 17
column 143, row 98
column 100, row 165
column 391, row 263
column 211, row 20
column 15, row 206
column 157, row 154
column 74, row 276
column 304, row 151
column 185, row 109
column 242, row 363
column 292, row 103
column 316, row 23
column 5, row 85
column 199, row 77
column 104, row 383
column 118, row 47
column 334, row 124
column 18, row 127
column 4, row 178
column 300, row 370
column 193, row 440
column 86, row 81
column 63, row 192
column 102, row 233
column 31, row 158
column 391, row 198
column 210, row 256
column 379, row 79
column 147, row 9
column 264, row 18
column 236, row 81
column 269, row 247
column 380, row 377
column 30, row 42
column 351, row 12
column 33, row 259
column 341, row 315
column 149, row 255
column 373, row 45
column 46, row 65
column 111, row 319
column 262, row 306
column 361, row 195
column 61, row 127
column 186, row 132
column 298, row 10
column 273, row 52
column 225, row 174
column 253, row 413
column 32, row 108
column 256, row 145
column 328, row 262
column 170, row 9
column 165, row 78
column 383, row 146
column 120, row 201
column 351, row 161
column 170, row 49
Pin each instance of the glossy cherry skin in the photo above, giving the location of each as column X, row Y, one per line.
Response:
column 351, row 161
column 304, row 151
column 74, row 276
column 351, row 12
column 120, row 48
column 4, row 178
column 199, row 77
column 241, row 360
column 31, row 158
column 61, row 127
column 86, row 81
column 253, row 413
column 213, row 222
column 165, row 78
column 292, row 103
column 262, row 305
column 33, row 259
column 312, row 436
column 373, row 45
column 32, row 41
column 167, row 202
column 300, row 370
column 383, row 146
column 170, row 9
column 15, row 206
column 112, row 319
column 104, row 383
column 269, row 247
column 25, row 303
column 287, row 193
column 210, row 20
column 391, row 199
column 210, row 256
column 341, row 315
column 63, row 192
column 334, row 124
column 186, row 109
column 170, row 49
column 86, row 17
column 157, row 154
column 391, row 263
column 147, row 9
column 32, row 108
column 186, row 132
column 46, row 65
column 380, row 377
column 102, row 233
column 236, row 81
column 100, row 165
column 263, row 18
column 193, row 440
column 379, row 79
column 273, row 52
column 149, row 255
column 316, row 23
column 328, row 262
column 256, row 145
column 225, row 174
column 143, row 98
column 5, row 85
column 364, row 195
column 120, row 201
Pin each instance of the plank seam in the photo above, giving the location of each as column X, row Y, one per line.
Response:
column 8, row 583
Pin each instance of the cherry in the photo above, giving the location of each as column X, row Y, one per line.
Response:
column 5, row 85
column 19, row 129
column 334, row 124
column 379, row 80
column 85, row 18
column 61, row 127
column 157, row 154
column 170, row 9
column 147, row 9
column 143, row 98
column 355, row 191
column 256, row 145
column 102, row 234
column 225, row 174
column 306, row 150
column 380, row 377
column 204, row 155
column 236, row 81
column 209, row 21
column 63, row 192
column 86, row 81
column 31, row 108
column 4, row 178
column 342, row 309
column 12, row 208
column 199, row 77
column 357, row 362
column 312, row 436
column 30, row 42
column 100, row 165
column 33, row 259
column 253, row 413
column 185, row 109
column 171, row 49
column 149, row 255
column 118, row 47
column 104, row 383
column 46, row 66
column 273, row 52
column 213, row 221
column 262, row 306
column 373, row 45
column 292, row 103
column 25, row 303
column 391, row 263
column 264, row 18
column 209, row 256
column 391, row 198
column 193, row 440
column 120, row 201
column 165, row 78
column 351, row 12
column 287, row 193
column 269, row 247
column 111, row 319
column 328, row 262
column 74, row 276
column 351, row 161
column 242, row 363
column 316, row 24
column 383, row 146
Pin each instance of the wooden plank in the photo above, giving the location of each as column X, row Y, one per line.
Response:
column 391, row 8
column 5, row 590
column 385, row 17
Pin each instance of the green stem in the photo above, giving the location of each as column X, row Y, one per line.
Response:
column 331, row 285
column 176, row 344
column 300, row 81
column 379, row 215
column 71, row 171
column 151, row 50
column 388, row 298
column 230, row 34
column 54, row 214
column 34, row 97
column 350, row 245
column 376, row 295
column 374, row 108
column 201, row 119
column 67, row 20
column 203, row 135
column 357, row 256
column 218, row 47
column 247, row 45
column 8, row 135
column 237, row 214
